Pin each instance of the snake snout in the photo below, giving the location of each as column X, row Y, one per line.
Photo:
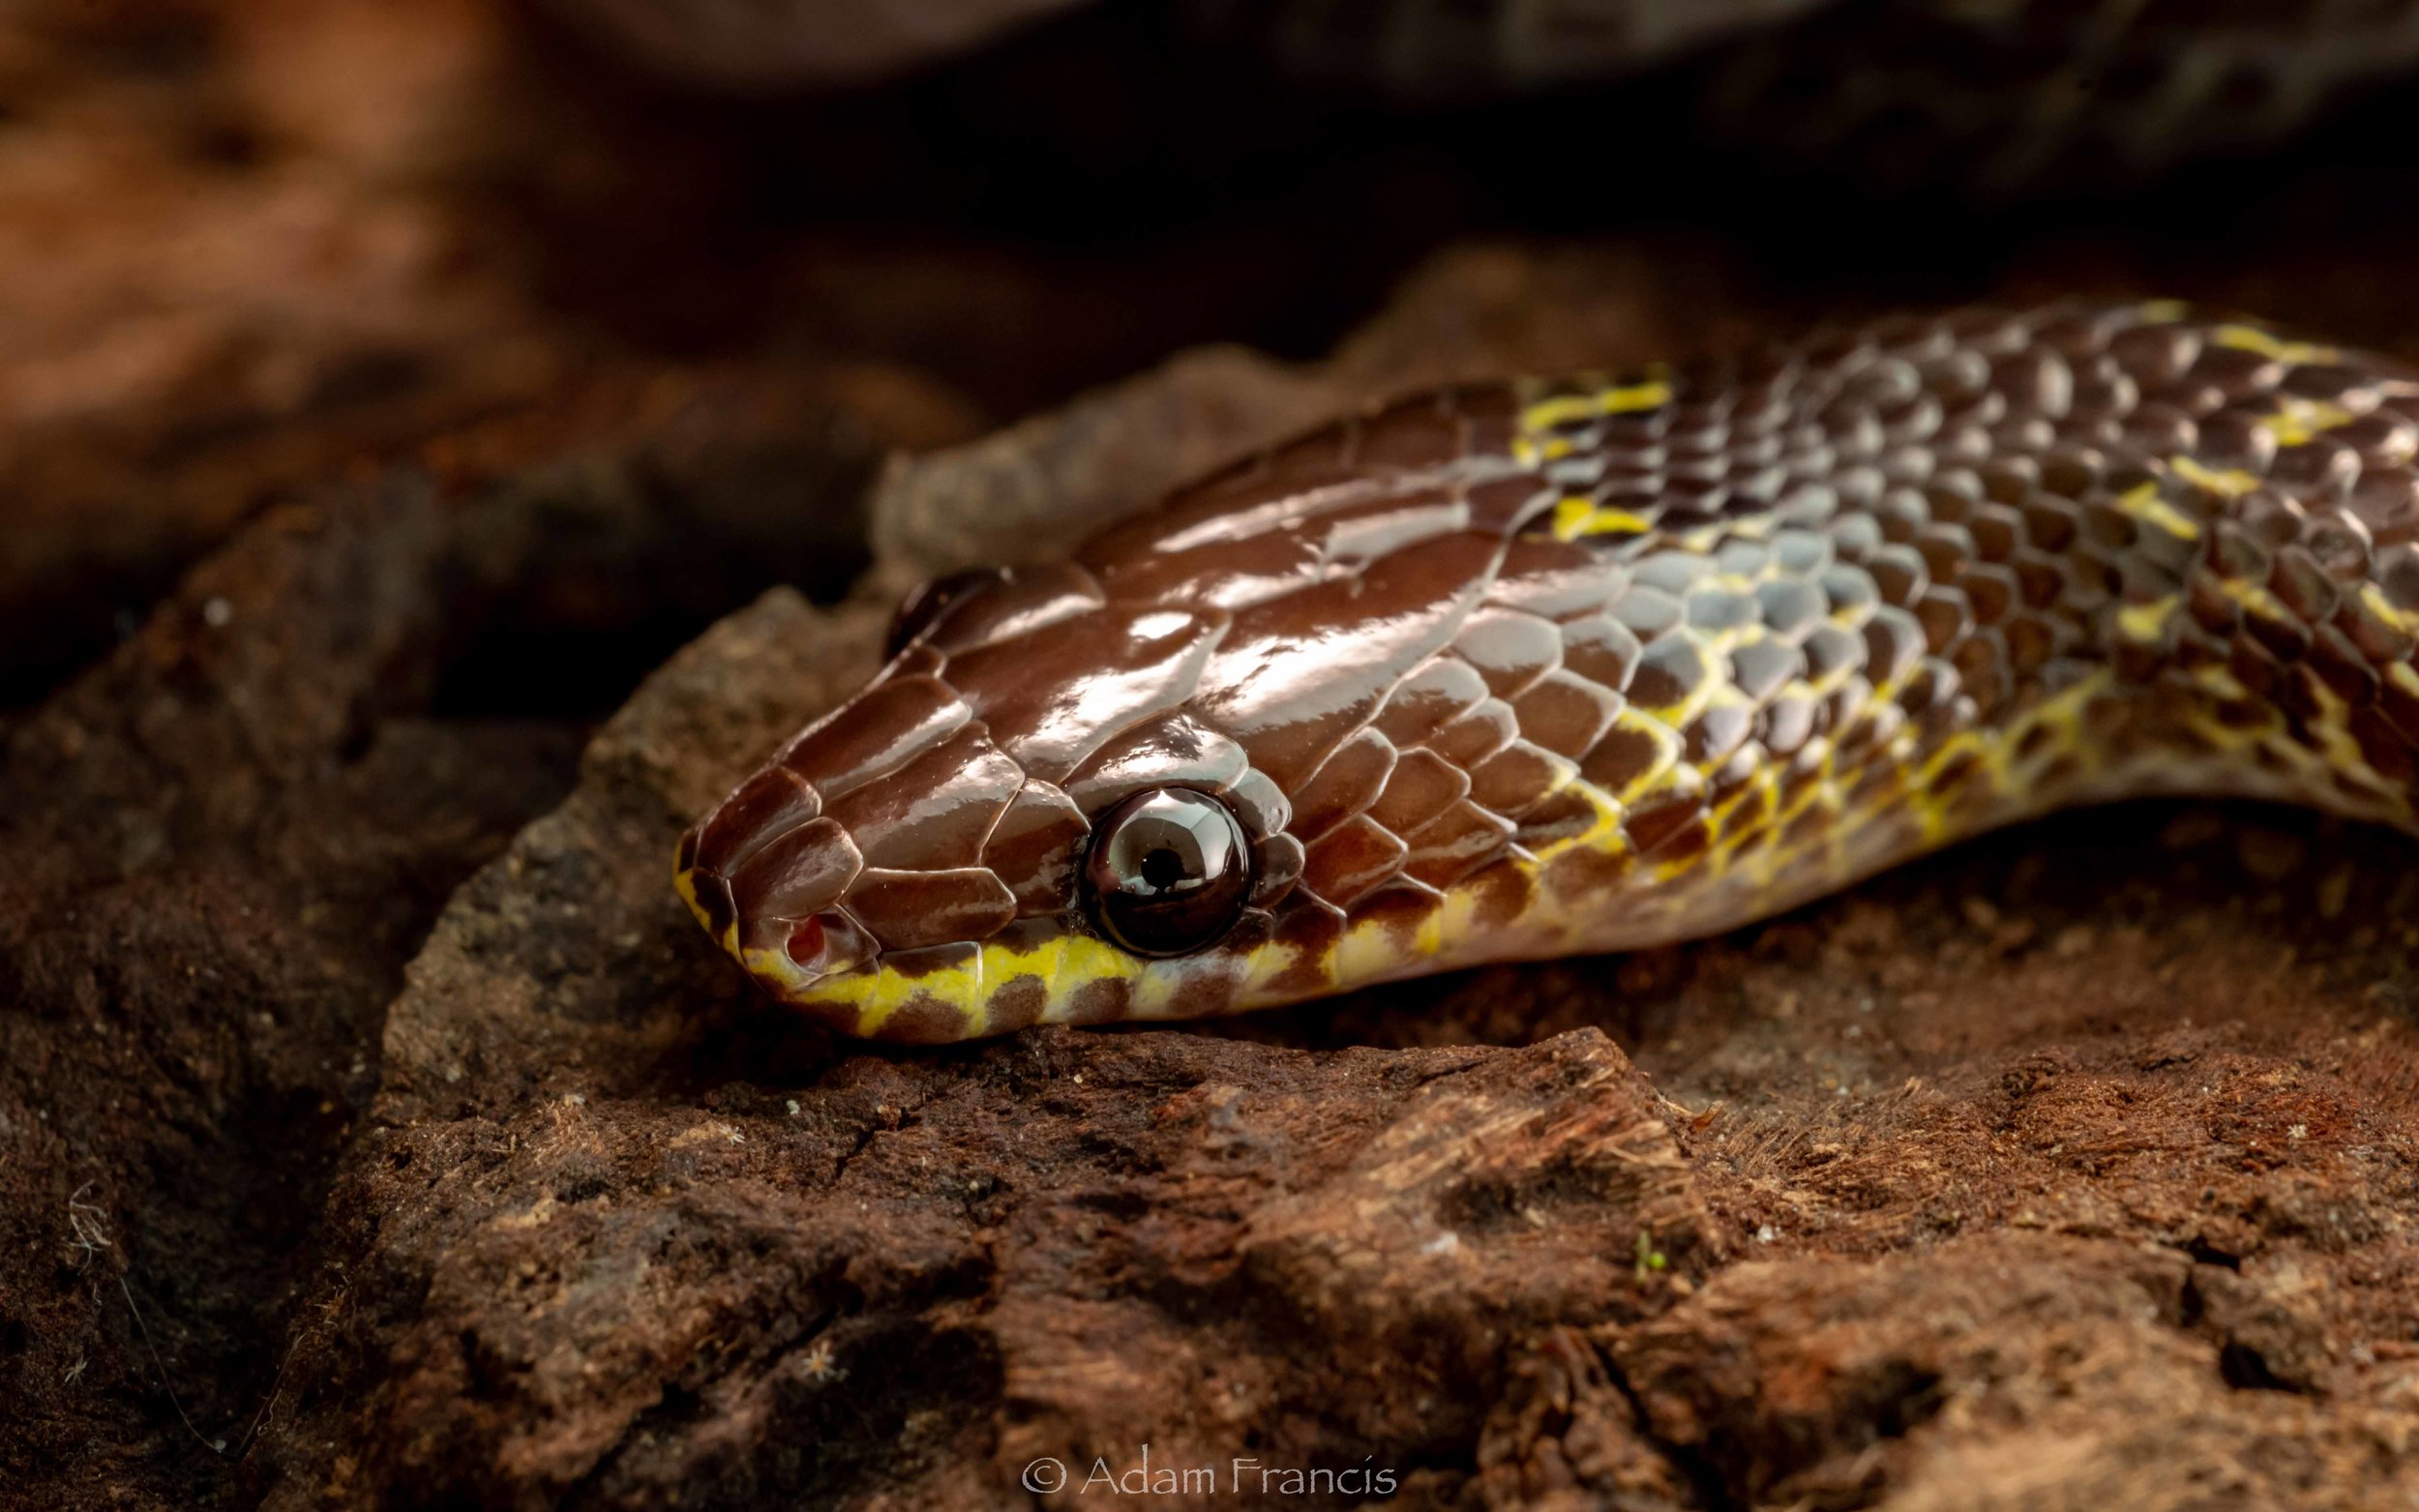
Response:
column 765, row 874
column 855, row 840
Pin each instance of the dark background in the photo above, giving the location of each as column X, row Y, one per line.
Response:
column 249, row 245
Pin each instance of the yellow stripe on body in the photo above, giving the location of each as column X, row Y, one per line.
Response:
column 2142, row 503
column 2256, row 598
column 2232, row 483
column 1578, row 518
column 2147, row 622
column 2315, row 770
column 1622, row 399
column 2404, row 620
column 2250, row 338
column 2300, row 420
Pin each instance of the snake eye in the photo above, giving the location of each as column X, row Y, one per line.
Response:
column 928, row 601
column 1167, row 872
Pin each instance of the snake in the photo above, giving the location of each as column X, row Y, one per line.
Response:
column 1531, row 668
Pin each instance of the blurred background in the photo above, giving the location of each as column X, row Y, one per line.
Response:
column 248, row 246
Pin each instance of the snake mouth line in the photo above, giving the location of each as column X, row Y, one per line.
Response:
column 790, row 956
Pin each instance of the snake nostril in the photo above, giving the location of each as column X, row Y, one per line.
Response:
column 923, row 608
column 806, row 942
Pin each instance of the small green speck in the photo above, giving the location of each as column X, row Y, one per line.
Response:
column 1650, row 1259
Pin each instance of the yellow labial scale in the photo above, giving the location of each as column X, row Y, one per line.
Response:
column 876, row 996
column 1062, row 965
column 1446, row 927
column 1268, row 963
column 1366, row 953
column 1155, row 993
column 2314, row 755
column 2143, row 503
column 2250, row 338
column 2232, row 483
column 1071, row 961
column 685, row 882
column 1159, row 992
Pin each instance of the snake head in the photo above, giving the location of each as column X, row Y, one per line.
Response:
column 1018, row 820
column 1253, row 747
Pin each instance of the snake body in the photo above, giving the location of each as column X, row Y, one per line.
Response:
column 1511, row 671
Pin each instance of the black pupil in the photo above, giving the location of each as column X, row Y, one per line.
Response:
column 1169, row 871
column 1163, row 869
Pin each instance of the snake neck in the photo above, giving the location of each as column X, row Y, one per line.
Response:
column 2203, row 588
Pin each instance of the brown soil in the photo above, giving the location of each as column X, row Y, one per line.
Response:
column 376, row 1130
